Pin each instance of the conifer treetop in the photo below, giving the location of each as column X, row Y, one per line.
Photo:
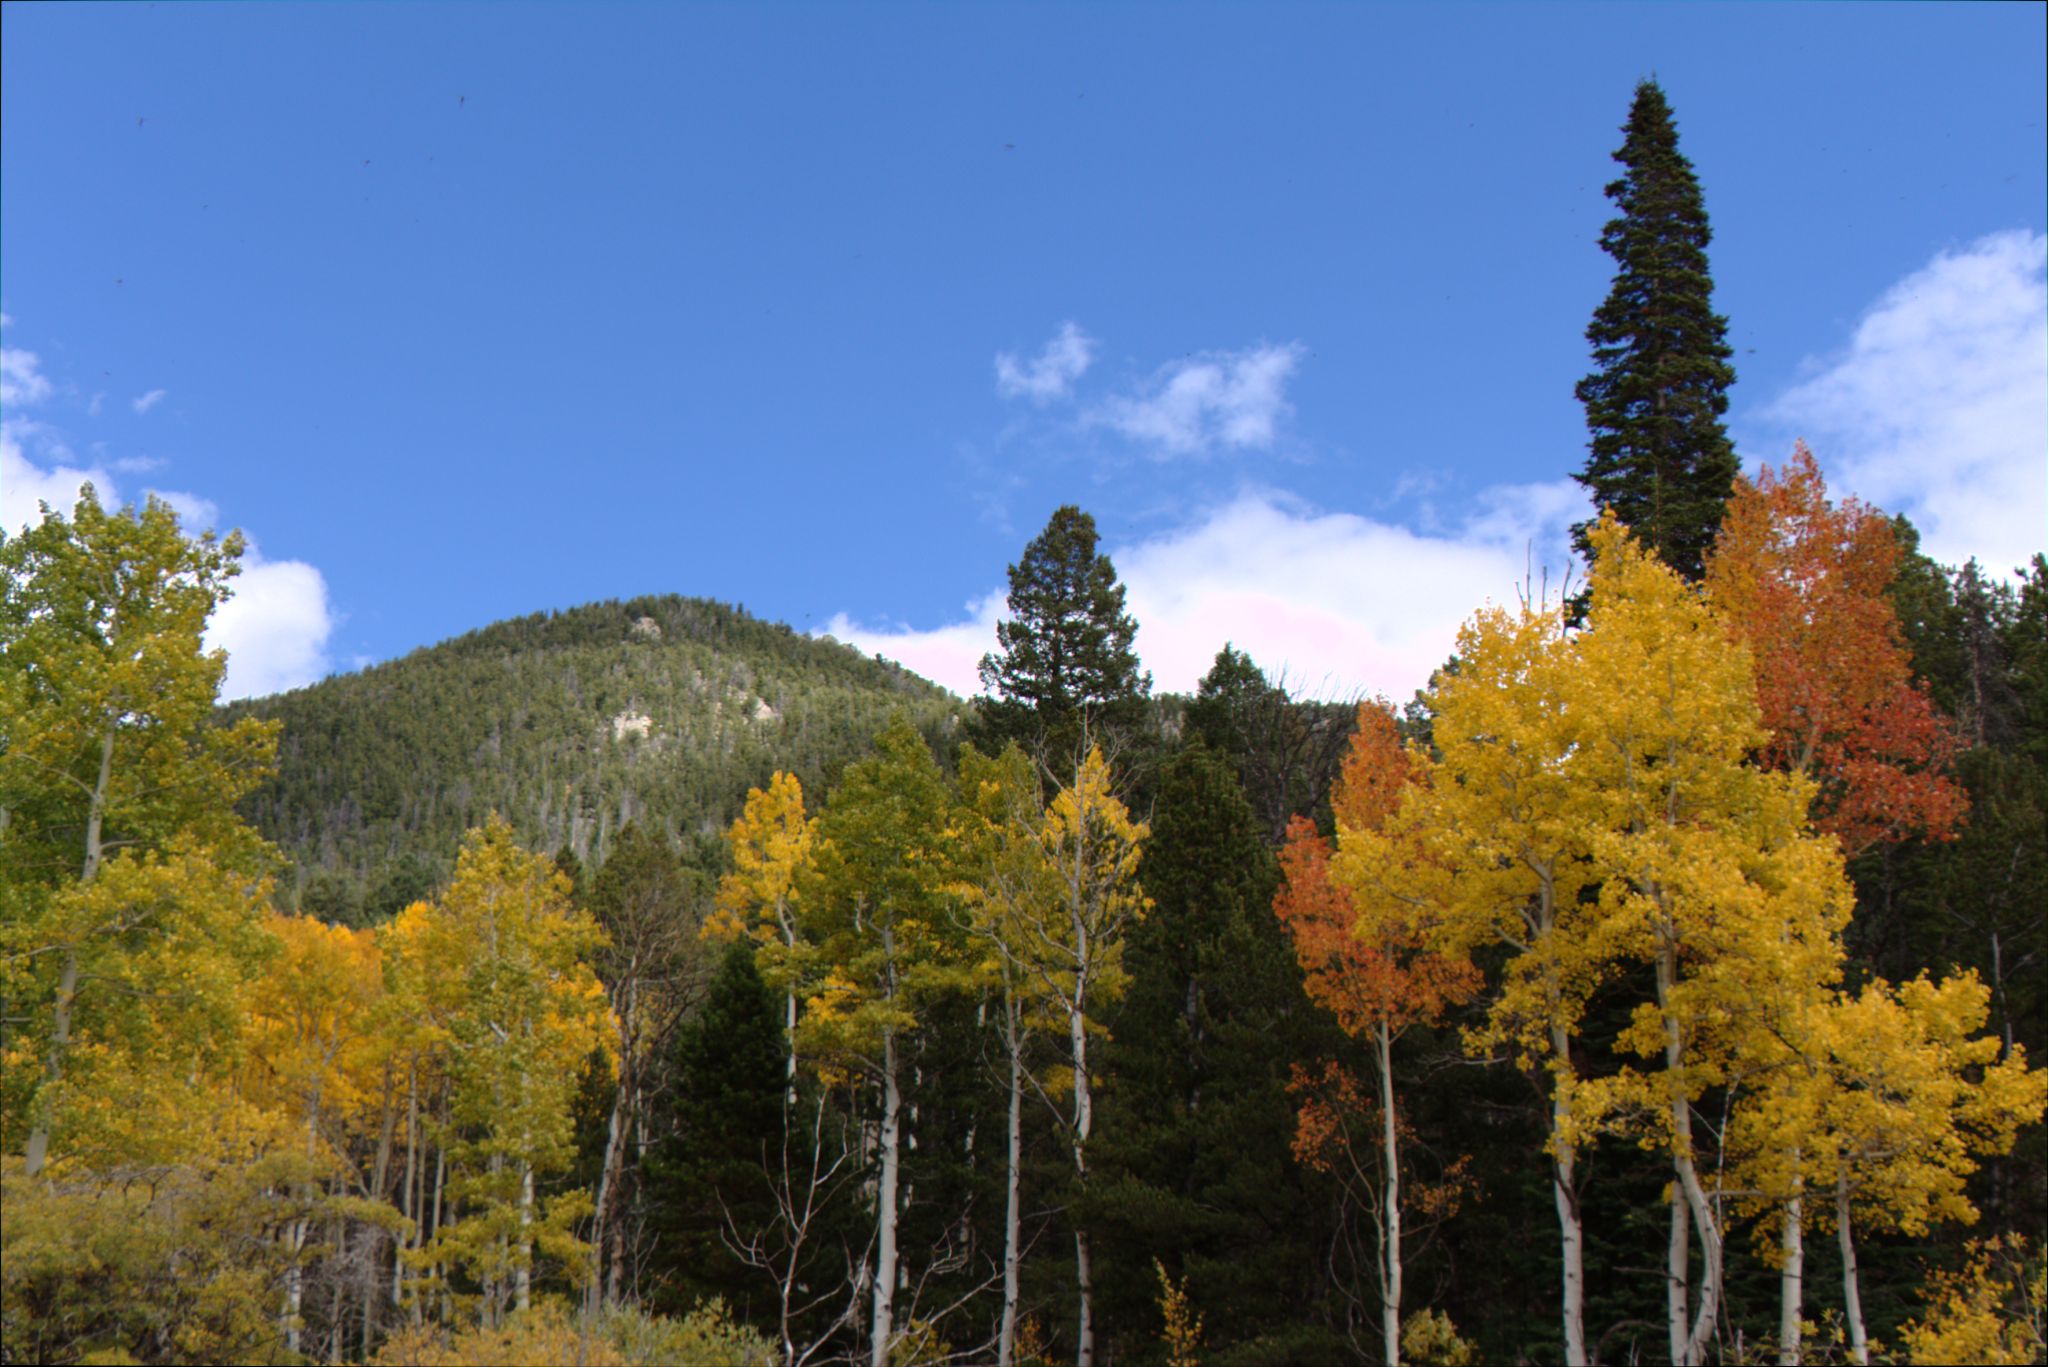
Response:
column 1659, row 455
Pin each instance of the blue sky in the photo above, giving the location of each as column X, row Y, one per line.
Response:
column 464, row 311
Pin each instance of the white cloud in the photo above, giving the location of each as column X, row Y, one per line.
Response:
column 21, row 377
column 1341, row 603
column 1226, row 398
column 275, row 628
column 948, row 655
column 195, row 514
column 1938, row 407
column 1050, row 374
column 277, row 624
column 150, row 400
column 25, row 485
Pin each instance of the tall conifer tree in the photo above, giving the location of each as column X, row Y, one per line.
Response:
column 1660, row 456
column 1065, row 662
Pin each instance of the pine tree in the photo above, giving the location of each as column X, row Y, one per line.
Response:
column 1660, row 456
column 726, row 1105
column 1065, row 665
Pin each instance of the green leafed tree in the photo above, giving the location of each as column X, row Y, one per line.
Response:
column 109, row 766
column 1064, row 665
column 1660, row 456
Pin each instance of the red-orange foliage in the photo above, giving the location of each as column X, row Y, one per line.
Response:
column 1337, row 1131
column 1804, row 582
column 1381, row 977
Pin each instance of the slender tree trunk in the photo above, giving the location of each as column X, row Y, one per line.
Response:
column 1678, row 1273
column 294, row 1289
column 1563, row 1188
column 371, row 1234
column 1390, row 1254
column 409, row 1192
column 1084, row 1123
column 883, row 1328
column 607, row 1182
column 1792, row 1276
column 522, row 1272
column 67, row 979
column 440, row 1188
column 1006, row 1347
column 1701, row 1210
column 1852, row 1287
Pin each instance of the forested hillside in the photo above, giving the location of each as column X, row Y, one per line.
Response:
column 572, row 725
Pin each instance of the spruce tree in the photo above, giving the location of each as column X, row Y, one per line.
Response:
column 724, row 1117
column 1660, row 456
column 1065, row 663
column 1195, row 1159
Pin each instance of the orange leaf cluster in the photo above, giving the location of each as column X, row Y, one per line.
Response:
column 1383, row 977
column 1803, row 582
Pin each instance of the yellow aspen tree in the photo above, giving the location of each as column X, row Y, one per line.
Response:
column 106, row 700
column 880, row 936
column 1487, row 848
column 1007, row 883
column 1709, row 870
column 1072, row 948
column 1892, row 1095
column 771, row 844
column 1805, row 583
column 311, row 1020
column 527, row 1010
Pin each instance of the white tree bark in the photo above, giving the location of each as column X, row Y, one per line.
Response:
column 1699, row 1208
column 1571, row 1233
column 1792, row 1276
column 1852, row 1288
column 883, row 1327
column 1006, row 1347
column 67, row 979
column 1390, row 1255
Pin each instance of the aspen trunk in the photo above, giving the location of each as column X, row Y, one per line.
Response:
column 883, row 1326
column 1678, row 1273
column 1792, row 1276
column 1700, row 1209
column 607, row 1185
column 440, row 1187
column 1852, row 1288
column 1006, row 1347
column 1390, row 1255
column 1084, row 1123
column 1571, row 1233
column 67, row 979
column 409, row 1193
column 522, row 1272
column 294, row 1289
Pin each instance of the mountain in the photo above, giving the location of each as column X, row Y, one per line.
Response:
column 572, row 724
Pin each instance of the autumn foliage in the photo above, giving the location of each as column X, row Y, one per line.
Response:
column 1803, row 582
column 1359, row 960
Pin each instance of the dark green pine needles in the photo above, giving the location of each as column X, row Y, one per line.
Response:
column 1660, row 456
column 1065, row 667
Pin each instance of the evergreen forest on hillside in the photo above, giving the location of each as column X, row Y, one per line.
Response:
column 646, row 983
column 573, row 725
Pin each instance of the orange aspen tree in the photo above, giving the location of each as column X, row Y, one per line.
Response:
column 1362, row 960
column 1802, row 581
